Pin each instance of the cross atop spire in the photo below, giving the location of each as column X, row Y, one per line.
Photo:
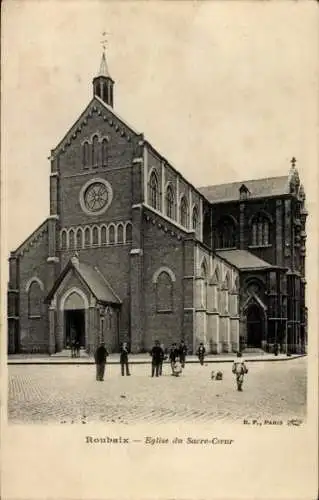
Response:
column 103, row 83
column 103, row 66
column 294, row 181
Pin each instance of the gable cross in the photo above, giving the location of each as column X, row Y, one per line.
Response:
column 104, row 41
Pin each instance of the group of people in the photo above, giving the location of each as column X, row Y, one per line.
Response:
column 100, row 358
column 75, row 348
column 176, row 355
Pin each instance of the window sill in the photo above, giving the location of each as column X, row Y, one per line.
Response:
column 164, row 311
column 260, row 246
column 34, row 316
column 225, row 248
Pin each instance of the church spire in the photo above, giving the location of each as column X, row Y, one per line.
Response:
column 103, row 83
column 104, row 71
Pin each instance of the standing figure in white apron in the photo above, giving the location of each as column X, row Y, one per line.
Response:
column 239, row 369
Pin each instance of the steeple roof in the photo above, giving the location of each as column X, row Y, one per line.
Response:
column 104, row 71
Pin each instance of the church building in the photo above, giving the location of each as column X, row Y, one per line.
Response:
column 132, row 251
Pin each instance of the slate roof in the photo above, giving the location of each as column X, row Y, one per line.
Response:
column 270, row 186
column 244, row 260
column 98, row 285
column 93, row 278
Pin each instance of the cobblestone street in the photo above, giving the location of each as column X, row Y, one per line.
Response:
column 70, row 394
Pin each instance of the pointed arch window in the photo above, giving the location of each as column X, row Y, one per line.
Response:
column 164, row 293
column 225, row 235
column 260, row 230
column 71, row 239
column 170, row 202
column 195, row 219
column 87, row 237
column 154, row 191
column 95, row 151
column 95, row 236
column 103, row 236
column 184, row 212
column 128, row 232
column 35, row 296
column 105, row 152
column 86, row 155
column 112, row 235
column 120, row 233
column 63, row 239
column 79, row 241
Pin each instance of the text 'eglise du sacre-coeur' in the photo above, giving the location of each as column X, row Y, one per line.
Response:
column 149, row 440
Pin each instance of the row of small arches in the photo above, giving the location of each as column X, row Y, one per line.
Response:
column 113, row 234
column 95, row 152
column 170, row 208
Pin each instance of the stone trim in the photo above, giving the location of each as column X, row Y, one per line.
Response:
column 86, row 186
column 69, row 292
column 34, row 279
column 163, row 269
column 136, row 251
column 53, row 259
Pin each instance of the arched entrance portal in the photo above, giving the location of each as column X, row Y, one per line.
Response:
column 74, row 305
column 255, row 326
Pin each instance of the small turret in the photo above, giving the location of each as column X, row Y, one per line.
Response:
column 103, row 83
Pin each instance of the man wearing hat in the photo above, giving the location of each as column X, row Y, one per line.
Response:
column 157, row 358
column 100, row 361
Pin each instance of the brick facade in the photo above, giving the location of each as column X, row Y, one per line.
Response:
column 130, row 251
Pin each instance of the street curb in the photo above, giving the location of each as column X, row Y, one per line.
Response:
column 191, row 361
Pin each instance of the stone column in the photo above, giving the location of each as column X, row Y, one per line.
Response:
column 234, row 320
column 13, row 305
column 53, row 223
column 59, row 331
column 279, row 233
column 93, row 328
column 242, row 226
column 201, row 219
column 52, row 328
column 224, row 321
column 189, row 293
column 213, row 344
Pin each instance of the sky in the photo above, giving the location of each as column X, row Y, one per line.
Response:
column 224, row 90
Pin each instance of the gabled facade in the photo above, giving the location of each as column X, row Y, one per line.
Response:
column 119, row 210
column 131, row 251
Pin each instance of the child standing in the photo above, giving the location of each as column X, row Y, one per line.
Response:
column 201, row 353
column 239, row 369
column 177, row 368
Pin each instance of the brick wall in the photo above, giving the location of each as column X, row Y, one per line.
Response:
column 118, row 172
column 162, row 249
column 33, row 263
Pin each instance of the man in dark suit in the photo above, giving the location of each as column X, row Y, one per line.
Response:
column 124, row 351
column 100, row 361
column 182, row 353
column 157, row 358
column 173, row 355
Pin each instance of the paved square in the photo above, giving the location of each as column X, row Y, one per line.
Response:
column 70, row 394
